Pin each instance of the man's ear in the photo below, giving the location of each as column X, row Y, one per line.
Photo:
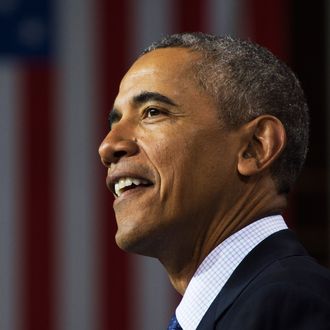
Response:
column 263, row 141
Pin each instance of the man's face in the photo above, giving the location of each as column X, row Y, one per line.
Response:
column 169, row 161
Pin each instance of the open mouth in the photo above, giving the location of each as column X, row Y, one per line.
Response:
column 129, row 183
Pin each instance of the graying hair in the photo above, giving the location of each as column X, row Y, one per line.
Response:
column 247, row 81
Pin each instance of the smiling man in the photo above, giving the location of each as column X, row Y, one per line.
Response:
column 207, row 136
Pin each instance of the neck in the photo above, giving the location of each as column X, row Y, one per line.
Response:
column 254, row 204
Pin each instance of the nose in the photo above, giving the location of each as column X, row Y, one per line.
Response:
column 116, row 145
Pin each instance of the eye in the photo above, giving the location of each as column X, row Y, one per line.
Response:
column 151, row 112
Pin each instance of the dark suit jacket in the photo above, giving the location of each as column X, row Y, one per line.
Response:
column 277, row 286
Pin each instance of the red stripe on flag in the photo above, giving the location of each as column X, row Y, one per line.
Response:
column 269, row 25
column 113, row 32
column 192, row 15
column 36, row 162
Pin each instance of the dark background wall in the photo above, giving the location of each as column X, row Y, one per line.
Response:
column 309, row 60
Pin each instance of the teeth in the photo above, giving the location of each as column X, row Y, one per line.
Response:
column 126, row 182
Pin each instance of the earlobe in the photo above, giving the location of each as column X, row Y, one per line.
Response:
column 263, row 140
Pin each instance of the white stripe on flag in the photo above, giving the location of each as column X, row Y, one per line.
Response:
column 225, row 17
column 154, row 301
column 151, row 20
column 152, row 295
column 10, row 169
column 77, row 156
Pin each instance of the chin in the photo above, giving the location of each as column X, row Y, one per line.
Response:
column 136, row 241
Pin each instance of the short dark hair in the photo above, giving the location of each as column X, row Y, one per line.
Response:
column 247, row 81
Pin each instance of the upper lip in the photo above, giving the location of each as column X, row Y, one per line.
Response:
column 116, row 175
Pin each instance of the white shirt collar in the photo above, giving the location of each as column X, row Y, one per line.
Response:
column 218, row 266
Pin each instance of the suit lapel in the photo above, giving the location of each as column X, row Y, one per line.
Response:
column 277, row 246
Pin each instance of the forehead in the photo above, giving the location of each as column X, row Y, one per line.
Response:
column 168, row 70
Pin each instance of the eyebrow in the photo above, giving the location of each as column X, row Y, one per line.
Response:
column 146, row 96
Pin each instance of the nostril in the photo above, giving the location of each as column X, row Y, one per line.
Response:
column 119, row 154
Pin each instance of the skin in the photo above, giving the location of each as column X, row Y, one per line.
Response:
column 207, row 181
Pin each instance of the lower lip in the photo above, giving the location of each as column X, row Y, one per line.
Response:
column 131, row 193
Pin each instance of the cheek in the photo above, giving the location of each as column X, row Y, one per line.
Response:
column 166, row 162
column 170, row 156
column 162, row 148
column 187, row 160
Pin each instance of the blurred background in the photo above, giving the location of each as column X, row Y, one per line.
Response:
column 60, row 65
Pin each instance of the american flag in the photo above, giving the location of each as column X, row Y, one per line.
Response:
column 60, row 65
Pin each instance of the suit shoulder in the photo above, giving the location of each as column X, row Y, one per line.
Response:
column 280, row 303
column 296, row 271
